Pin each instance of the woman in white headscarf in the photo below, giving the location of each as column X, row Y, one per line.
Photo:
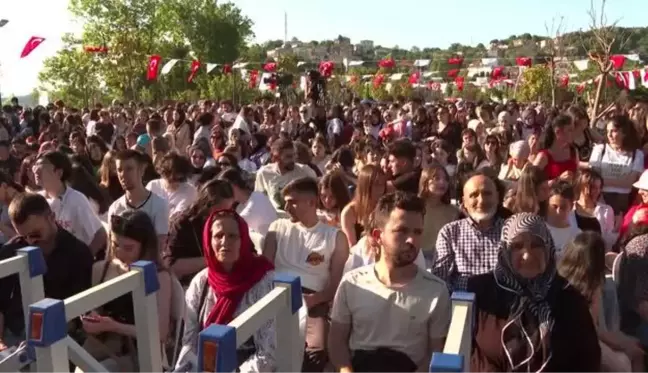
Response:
column 512, row 169
column 528, row 318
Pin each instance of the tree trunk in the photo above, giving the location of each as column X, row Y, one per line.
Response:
column 597, row 98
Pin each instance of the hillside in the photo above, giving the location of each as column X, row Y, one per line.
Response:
column 575, row 44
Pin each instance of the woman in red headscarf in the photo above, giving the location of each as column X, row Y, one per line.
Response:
column 235, row 279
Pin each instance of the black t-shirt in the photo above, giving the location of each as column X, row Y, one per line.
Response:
column 9, row 166
column 69, row 272
column 408, row 182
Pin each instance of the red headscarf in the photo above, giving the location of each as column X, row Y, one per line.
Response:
column 230, row 287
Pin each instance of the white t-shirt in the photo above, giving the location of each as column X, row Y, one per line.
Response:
column 202, row 132
column 258, row 212
column 75, row 214
column 614, row 165
column 154, row 206
column 270, row 181
column 562, row 236
column 305, row 252
column 179, row 199
column 403, row 319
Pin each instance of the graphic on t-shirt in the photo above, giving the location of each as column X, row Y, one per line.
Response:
column 315, row 259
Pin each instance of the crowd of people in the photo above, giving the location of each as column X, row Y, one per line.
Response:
column 383, row 209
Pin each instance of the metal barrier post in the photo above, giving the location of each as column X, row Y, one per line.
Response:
column 289, row 352
column 47, row 331
column 146, row 318
column 458, row 346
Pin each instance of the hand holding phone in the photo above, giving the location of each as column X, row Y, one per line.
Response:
column 90, row 318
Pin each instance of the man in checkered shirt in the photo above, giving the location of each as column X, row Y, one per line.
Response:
column 469, row 246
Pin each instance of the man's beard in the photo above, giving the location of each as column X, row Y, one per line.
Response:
column 480, row 216
column 406, row 257
column 289, row 166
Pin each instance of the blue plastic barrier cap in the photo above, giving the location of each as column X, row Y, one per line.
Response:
column 47, row 322
column 151, row 282
column 217, row 342
column 295, row 289
column 36, row 260
column 463, row 296
column 446, row 362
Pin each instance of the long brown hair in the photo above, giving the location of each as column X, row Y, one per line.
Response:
column 583, row 263
column 335, row 183
column 526, row 197
column 368, row 178
column 430, row 173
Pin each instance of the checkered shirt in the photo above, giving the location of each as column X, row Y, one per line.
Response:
column 463, row 251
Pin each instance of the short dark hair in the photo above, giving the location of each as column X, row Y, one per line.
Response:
column 205, row 119
column 174, row 165
column 60, row 161
column 306, row 185
column 127, row 154
column 402, row 148
column 398, row 200
column 564, row 189
column 27, row 204
column 280, row 145
column 154, row 125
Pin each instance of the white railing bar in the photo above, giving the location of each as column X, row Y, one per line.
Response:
column 259, row 313
column 13, row 265
column 456, row 330
column 101, row 294
column 82, row 359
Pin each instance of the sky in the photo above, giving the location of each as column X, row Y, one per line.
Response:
column 405, row 23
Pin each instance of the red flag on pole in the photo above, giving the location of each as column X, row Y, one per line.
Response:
column 32, row 44
column 154, row 63
column 195, row 66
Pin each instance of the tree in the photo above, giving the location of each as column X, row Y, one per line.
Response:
column 72, row 75
column 555, row 49
column 606, row 37
column 535, row 84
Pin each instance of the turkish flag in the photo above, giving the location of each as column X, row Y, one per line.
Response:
column 32, row 44
column 153, row 65
column 195, row 65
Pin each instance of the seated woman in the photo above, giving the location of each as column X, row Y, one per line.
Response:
column 111, row 329
column 583, row 265
column 527, row 317
column 234, row 280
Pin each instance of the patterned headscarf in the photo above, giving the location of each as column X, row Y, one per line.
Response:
column 530, row 320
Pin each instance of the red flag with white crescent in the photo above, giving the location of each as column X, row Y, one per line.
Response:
column 195, row 66
column 32, row 44
column 153, row 67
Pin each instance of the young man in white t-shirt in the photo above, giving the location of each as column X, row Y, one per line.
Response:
column 390, row 316
column 271, row 178
column 71, row 208
column 313, row 250
column 174, row 170
column 559, row 210
column 130, row 170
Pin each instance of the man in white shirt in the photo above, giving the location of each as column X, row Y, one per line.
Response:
column 390, row 316
column 71, row 208
column 130, row 170
column 313, row 250
column 271, row 178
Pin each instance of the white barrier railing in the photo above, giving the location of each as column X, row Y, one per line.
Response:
column 217, row 344
column 29, row 265
column 48, row 322
column 458, row 346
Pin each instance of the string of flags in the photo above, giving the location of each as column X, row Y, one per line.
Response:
column 488, row 73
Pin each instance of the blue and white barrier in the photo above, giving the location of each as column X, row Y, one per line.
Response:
column 458, row 346
column 218, row 343
column 29, row 264
column 48, row 322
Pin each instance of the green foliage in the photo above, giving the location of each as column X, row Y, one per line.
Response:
column 535, row 84
column 134, row 30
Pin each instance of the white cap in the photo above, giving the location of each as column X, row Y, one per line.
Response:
column 642, row 183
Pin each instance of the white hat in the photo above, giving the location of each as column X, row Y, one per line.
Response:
column 642, row 183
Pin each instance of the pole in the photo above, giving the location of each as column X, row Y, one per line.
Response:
column 3, row 22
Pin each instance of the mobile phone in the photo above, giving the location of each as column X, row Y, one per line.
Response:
column 89, row 318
